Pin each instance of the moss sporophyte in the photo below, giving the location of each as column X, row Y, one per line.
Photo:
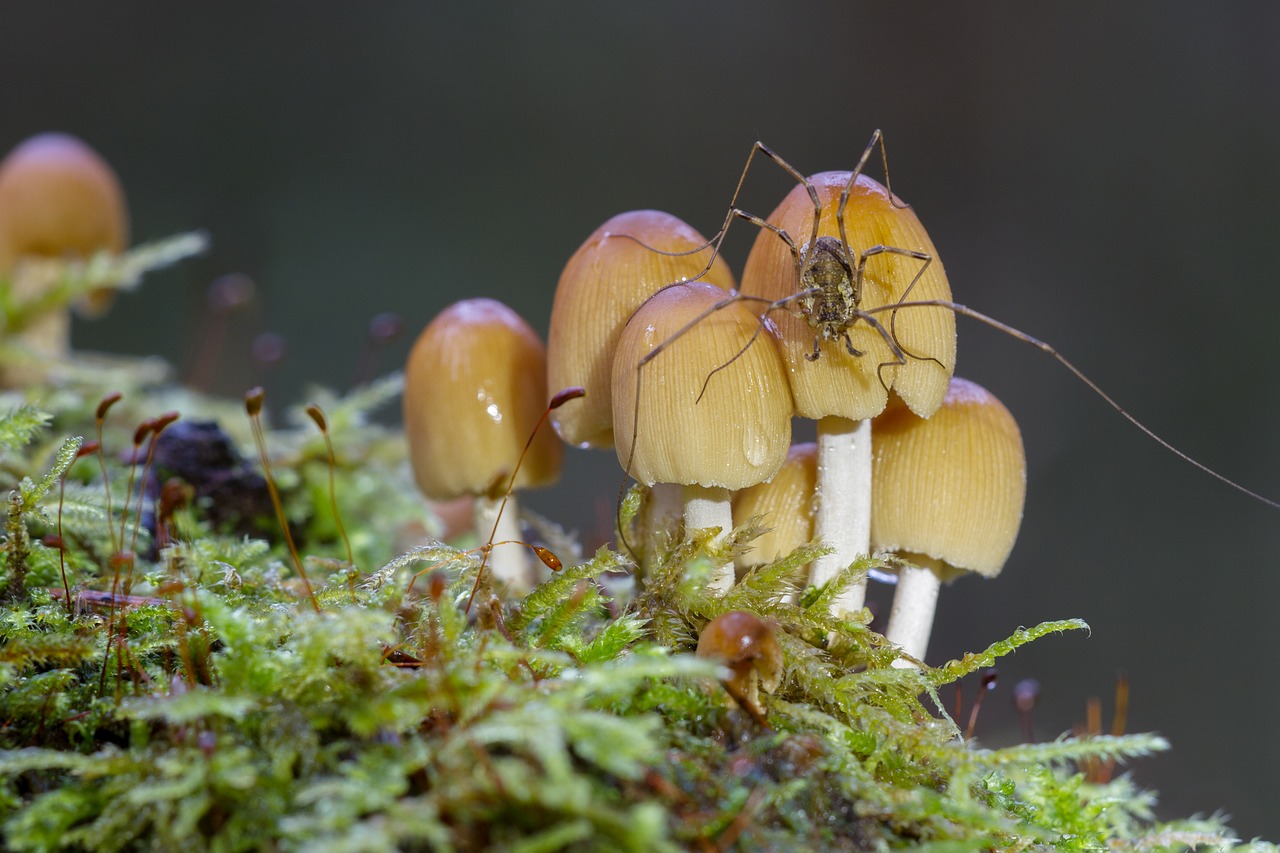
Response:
column 204, row 644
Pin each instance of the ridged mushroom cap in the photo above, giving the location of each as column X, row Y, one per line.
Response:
column 605, row 281
column 739, row 432
column 59, row 197
column 838, row 383
column 785, row 505
column 475, row 387
column 951, row 487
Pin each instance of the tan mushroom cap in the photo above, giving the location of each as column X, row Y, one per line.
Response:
column 785, row 505
column 475, row 387
column 57, row 198
column 837, row 383
column 951, row 487
column 605, row 281
column 739, row 433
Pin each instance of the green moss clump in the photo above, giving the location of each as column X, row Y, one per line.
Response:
column 190, row 697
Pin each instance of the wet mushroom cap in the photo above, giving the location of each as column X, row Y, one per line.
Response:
column 475, row 387
column 605, row 281
column 951, row 487
column 746, row 644
column 58, row 198
column 711, row 410
column 838, row 383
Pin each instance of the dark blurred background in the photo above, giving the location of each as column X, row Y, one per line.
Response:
column 1104, row 176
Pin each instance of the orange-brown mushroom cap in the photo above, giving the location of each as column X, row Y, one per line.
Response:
column 951, row 487
column 729, row 432
column 58, row 197
column 475, row 387
column 615, row 270
column 838, row 383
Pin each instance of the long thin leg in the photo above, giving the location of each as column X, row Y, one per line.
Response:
column 737, row 213
column 1079, row 374
column 893, row 315
column 899, row 354
column 861, row 268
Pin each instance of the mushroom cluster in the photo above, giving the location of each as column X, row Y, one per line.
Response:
column 702, row 388
column 695, row 387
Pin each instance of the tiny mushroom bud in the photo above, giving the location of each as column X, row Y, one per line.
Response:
column 948, row 496
column 709, row 409
column 843, row 381
column 784, row 504
column 749, row 648
column 618, row 267
column 58, row 198
column 475, row 389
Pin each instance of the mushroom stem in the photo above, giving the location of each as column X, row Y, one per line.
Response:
column 843, row 520
column 508, row 563
column 911, row 618
column 47, row 338
column 662, row 511
column 709, row 506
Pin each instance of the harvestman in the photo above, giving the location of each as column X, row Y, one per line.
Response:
column 830, row 277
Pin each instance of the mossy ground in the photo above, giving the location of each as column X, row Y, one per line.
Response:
column 221, row 707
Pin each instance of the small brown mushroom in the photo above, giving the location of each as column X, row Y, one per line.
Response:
column 58, row 197
column 475, row 388
column 747, row 645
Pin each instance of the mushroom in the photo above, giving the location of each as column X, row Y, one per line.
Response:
column 785, row 504
column 947, row 496
column 475, row 389
column 58, row 198
column 624, row 262
column 709, row 410
column 829, row 382
column 746, row 644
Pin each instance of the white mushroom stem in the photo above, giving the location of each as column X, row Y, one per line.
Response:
column 911, row 618
column 843, row 519
column 664, row 508
column 510, row 564
column 709, row 506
